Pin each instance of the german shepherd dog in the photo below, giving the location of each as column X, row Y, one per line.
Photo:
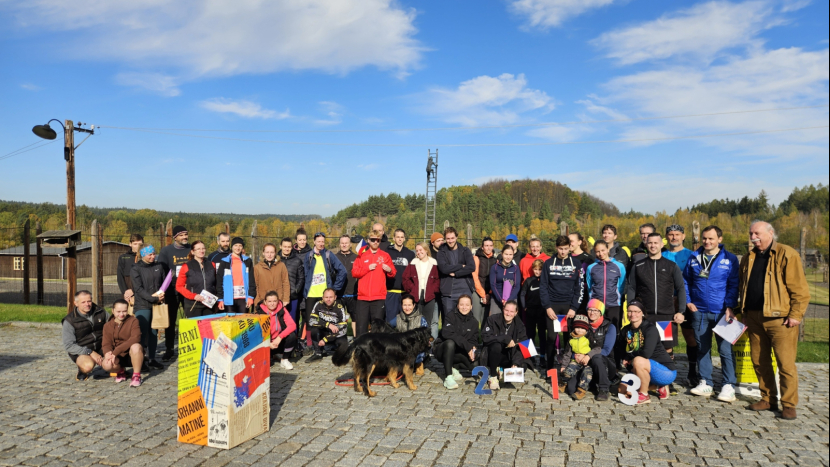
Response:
column 380, row 325
column 371, row 351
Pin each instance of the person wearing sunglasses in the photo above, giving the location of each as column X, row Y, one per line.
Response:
column 372, row 269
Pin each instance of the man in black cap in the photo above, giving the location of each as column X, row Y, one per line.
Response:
column 172, row 257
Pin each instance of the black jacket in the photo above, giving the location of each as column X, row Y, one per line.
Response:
column 463, row 265
column 656, row 283
column 217, row 255
column 88, row 334
column 199, row 278
column 484, row 266
column 497, row 331
column 401, row 260
column 351, row 283
column 125, row 265
column 146, row 279
column 529, row 298
column 461, row 329
column 643, row 342
column 296, row 273
column 561, row 282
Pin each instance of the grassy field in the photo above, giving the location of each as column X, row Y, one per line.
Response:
column 32, row 313
column 815, row 347
column 819, row 294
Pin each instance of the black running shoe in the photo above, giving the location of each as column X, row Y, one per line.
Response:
column 314, row 358
column 81, row 376
column 602, row 396
column 155, row 365
column 168, row 355
column 145, row 368
column 672, row 390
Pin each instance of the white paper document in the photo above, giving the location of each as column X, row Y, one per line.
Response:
column 730, row 332
column 210, row 299
column 514, row 375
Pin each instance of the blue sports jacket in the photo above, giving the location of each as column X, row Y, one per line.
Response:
column 224, row 287
column 606, row 281
column 333, row 268
column 720, row 290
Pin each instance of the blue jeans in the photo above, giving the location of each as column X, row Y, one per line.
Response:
column 703, row 323
column 149, row 337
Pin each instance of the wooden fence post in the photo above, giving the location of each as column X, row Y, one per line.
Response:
column 227, row 228
column 27, row 234
column 161, row 236
column 802, row 249
column 169, row 232
column 97, row 295
column 253, row 243
column 695, row 235
column 469, row 236
column 39, row 249
column 563, row 228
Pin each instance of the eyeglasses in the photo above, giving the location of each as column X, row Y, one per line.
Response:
column 319, row 234
column 373, row 240
column 593, row 310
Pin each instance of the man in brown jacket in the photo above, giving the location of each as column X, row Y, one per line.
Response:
column 270, row 274
column 773, row 298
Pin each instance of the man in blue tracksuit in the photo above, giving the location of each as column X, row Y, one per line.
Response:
column 711, row 277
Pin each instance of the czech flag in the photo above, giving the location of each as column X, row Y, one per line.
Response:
column 527, row 348
column 665, row 330
column 560, row 324
column 361, row 247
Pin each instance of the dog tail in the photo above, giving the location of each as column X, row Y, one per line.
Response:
column 343, row 354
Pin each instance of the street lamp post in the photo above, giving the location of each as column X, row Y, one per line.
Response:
column 46, row 132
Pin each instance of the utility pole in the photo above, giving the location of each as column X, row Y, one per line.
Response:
column 71, row 255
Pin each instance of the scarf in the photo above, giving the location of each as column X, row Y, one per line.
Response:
column 596, row 324
column 408, row 322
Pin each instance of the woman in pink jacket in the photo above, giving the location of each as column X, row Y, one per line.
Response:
column 283, row 326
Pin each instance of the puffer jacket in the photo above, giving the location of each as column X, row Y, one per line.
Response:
column 785, row 291
column 296, row 273
column 147, row 280
column 717, row 292
column 497, row 331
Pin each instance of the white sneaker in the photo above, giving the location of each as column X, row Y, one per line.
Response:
column 286, row 364
column 702, row 389
column 727, row 393
column 494, row 383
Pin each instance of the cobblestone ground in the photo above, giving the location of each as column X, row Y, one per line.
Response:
column 49, row 419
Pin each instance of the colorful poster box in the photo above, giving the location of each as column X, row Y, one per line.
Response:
column 224, row 379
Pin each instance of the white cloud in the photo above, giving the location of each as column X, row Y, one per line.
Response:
column 546, row 14
column 794, row 5
column 486, row 100
column 749, row 77
column 333, row 111
column 242, row 108
column 368, row 166
column 156, row 83
column 225, row 37
column 30, row 87
column 700, row 31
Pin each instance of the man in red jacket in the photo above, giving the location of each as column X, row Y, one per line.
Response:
column 526, row 265
column 371, row 269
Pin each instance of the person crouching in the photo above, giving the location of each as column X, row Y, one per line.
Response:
column 327, row 324
column 283, row 338
column 122, row 339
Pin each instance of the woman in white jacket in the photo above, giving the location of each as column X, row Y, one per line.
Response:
column 420, row 279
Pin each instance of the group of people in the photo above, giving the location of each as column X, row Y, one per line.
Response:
column 596, row 309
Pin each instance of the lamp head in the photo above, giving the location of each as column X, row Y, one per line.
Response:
column 44, row 131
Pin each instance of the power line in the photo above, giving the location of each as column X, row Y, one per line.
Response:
column 635, row 140
column 20, row 149
column 485, row 127
column 19, row 152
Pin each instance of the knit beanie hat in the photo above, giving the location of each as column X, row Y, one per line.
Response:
column 581, row 321
column 597, row 304
column 435, row 237
column 177, row 230
column 237, row 240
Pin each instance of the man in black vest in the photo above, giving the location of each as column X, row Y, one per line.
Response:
column 83, row 332
column 348, row 294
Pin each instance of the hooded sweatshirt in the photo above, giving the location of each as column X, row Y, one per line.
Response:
column 526, row 264
column 561, row 282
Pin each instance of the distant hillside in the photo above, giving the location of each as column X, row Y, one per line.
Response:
column 496, row 203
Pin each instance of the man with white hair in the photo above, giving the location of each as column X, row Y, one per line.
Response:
column 773, row 298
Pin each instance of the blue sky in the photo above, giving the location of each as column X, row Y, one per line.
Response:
column 257, row 69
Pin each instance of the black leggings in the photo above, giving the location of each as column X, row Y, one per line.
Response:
column 239, row 305
column 365, row 312
column 287, row 344
column 451, row 356
column 537, row 320
column 498, row 356
column 317, row 334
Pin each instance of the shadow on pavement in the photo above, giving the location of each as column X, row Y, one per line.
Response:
column 11, row 361
column 281, row 384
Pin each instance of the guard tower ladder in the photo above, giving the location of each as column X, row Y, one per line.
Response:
column 431, row 194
